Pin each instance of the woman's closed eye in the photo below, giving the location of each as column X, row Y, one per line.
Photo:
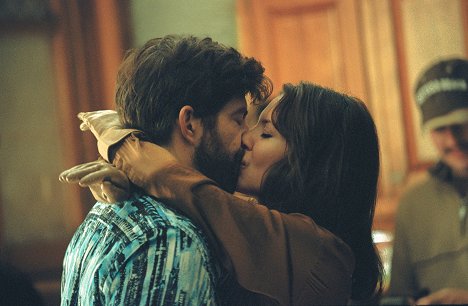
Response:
column 266, row 135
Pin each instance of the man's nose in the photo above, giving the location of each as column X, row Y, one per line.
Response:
column 449, row 139
column 247, row 141
column 454, row 134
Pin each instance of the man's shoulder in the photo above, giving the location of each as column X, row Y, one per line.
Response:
column 424, row 196
column 138, row 216
column 421, row 186
column 112, row 233
column 425, row 187
column 139, row 234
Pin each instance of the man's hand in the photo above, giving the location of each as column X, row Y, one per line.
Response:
column 106, row 182
column 445, row 296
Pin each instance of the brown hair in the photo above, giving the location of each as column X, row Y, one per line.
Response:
column 330, row 172
column 158, row 79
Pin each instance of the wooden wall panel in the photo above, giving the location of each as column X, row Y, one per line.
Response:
column 299, row 53
column 381, row 66
column 314, row 40
column 464, row 17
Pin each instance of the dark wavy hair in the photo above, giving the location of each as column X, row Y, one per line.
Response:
column 155, row 81
column 330, row 172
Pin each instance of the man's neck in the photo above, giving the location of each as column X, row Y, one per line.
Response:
column 181, row 153
column 444, row 173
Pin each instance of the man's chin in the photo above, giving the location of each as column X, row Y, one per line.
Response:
column 227, row 179
column 230, row 176
column 459, row 166
column 225, row 173
column 218, row 164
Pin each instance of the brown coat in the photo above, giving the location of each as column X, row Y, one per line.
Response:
column 287, row 257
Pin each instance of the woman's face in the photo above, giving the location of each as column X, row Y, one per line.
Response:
column 264, row 146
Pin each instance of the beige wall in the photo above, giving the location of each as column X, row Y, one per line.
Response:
column 33, row 202
column 214, row 18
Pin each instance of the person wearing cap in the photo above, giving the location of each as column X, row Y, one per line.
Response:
column 430, row 253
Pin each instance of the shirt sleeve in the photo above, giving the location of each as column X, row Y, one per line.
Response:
column 171, row 269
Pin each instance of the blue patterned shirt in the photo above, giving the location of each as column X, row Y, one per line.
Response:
column 138, row 252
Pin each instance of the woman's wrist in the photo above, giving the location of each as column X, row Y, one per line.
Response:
column 142, row 161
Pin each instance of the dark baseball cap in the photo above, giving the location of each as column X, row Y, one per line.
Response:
column 442, row 93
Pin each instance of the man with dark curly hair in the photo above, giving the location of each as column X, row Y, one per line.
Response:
column 189, row 96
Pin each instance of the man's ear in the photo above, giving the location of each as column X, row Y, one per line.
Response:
column 190, row 126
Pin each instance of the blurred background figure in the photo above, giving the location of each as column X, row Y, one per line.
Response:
column 430, row 254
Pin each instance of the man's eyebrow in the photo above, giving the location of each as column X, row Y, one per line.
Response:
column 240, row 111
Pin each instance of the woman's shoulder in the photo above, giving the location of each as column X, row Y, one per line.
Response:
column 321, row 258
column 306, row 227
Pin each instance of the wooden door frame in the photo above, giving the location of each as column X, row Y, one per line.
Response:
column 414, row 163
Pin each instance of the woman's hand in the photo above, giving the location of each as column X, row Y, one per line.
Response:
column 106, row 127
column 140, row 160
column 452, row 296
column 106, row 182
column 99, row 121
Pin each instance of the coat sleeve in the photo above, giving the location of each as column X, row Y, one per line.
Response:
column 286, row 257
column 250, row 239
column 259, row 245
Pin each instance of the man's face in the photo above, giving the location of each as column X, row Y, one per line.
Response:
column 451, row 143
column 219, row 154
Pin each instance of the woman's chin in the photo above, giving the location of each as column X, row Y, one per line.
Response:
column 239, row 189
column 246, row 190
column 246, row 197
